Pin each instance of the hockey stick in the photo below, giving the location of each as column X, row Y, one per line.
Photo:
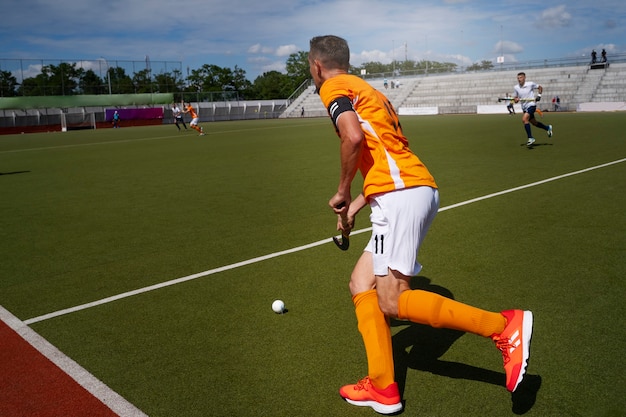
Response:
column 500, row 99
column 344, row 243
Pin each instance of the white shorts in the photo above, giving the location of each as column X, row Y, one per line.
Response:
column 194, row 121
column 400, row 220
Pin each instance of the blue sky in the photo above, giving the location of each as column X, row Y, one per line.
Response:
column 258, row 36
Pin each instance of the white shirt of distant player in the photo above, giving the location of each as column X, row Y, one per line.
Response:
column 526, row 92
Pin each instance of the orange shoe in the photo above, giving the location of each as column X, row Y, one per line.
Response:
column 514, row 342
column 364, row 394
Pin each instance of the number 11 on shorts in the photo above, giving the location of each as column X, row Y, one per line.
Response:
column 379, row 244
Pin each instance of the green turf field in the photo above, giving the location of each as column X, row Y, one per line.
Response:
column 86, row 215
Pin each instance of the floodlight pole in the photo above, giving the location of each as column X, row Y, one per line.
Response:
column 427, row 55
column 393, row 56
column 501, row 48
column 108, row 73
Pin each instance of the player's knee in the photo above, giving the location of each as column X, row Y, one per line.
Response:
column 389, row 306
column 358, row 285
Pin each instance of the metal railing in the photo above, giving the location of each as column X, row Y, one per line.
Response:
column 507, row 66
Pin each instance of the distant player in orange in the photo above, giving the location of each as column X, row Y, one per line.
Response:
column 403, row 198
column 188, row 108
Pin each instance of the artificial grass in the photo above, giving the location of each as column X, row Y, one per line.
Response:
column 103, row 212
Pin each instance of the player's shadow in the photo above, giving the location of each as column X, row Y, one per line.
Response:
column 536, row 145
column 420, row 347
column 13, row 173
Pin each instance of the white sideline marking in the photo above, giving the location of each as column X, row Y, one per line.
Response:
column 288, row 251
column 97, row 388
column 115, row 142
column 533, row 184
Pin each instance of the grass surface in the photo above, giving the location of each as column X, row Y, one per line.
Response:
column 91, row 214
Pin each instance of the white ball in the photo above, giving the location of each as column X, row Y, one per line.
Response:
column 278, row 306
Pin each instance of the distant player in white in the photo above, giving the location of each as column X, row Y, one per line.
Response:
column 524, row 92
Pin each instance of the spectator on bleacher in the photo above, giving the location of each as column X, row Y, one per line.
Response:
column 603, row 54
column 594, row 56
column 178, row 116
column 302, row 112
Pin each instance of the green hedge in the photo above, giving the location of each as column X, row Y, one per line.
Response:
column 39, row 102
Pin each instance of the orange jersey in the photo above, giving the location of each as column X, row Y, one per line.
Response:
column 192, row 111
column 387, row 163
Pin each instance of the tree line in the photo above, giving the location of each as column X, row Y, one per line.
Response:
column 69, row 79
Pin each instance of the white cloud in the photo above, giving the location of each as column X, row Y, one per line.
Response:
column 508, row 47
column 254, row 49
column 555, row 17
column 370, row 56
column 230, row 33
column 286, row 50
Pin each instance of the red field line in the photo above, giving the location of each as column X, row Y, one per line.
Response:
column 32, row 385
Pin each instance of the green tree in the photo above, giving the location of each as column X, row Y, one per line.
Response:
column 478, row 66
column 35, row 86
column 375, row 68
column 169, row 82
column 214, row 79
column 142, row 80
column 8, row 84
column 239, row 81
column 209, row 77
column 121, row 83
column 63, row 79
column 297, row 67
column 91, row 83
column 272, row 85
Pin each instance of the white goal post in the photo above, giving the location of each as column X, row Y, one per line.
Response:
column 77, row 121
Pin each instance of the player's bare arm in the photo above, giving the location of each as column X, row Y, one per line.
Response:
column 346, row 223
column 352, row 138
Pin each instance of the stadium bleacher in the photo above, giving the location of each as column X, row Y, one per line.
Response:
column 469, row 92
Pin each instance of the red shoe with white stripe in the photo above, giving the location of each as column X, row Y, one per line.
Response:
column 514, row 342
column 364, row 394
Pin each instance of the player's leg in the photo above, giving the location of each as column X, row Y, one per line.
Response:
column 402, row 219
column 537, row 123
column 511, row 330
column 194, row 125
column 378, row 389
column 526, row 118
column 409, row 214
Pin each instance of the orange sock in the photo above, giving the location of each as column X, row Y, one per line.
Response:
column 376, row 335
column 425, row 307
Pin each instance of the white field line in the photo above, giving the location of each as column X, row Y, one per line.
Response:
column 123, row 141
column 288, row 251
column 97, row 388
